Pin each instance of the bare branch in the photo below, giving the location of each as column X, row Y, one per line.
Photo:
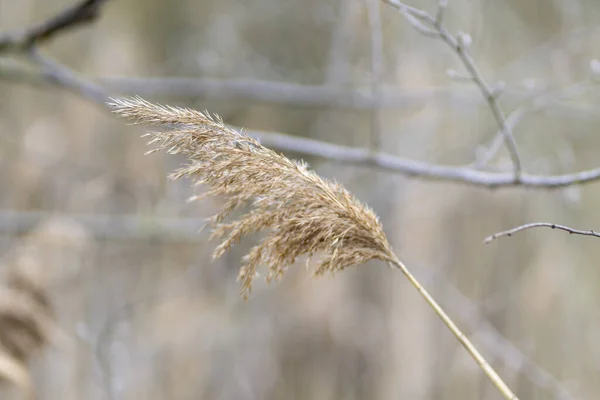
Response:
column 439, row 18
column 63, row 77
column 419, row 169
column 460, row 48
column 408, row 10
column 510, row 232
column 81, row 13
column 359, row 156
column 25, row 42
column 253, row 90
column 538, row 103
column 364, row 157
column 282, row 93
column 54, row 73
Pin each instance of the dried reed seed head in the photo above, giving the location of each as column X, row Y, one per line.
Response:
column 17, row 373
column 26, row 325
column 302, row 213
column 26, row 318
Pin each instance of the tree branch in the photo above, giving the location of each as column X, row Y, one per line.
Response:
column 459, row 45
column 420, row 169
column 314, row 96
column 26, row 41
column 510, row 232
column 81, row 13
column 58, row 75
column 62, row 76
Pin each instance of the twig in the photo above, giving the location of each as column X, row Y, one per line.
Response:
column 253, row 90
column 26, row 41
column 538, row 103
column 460, row 47
column 63, row 77
column 439, row 18
column 572, row 231
column 51, row 72
column 419, row 169
column 288, row 94
column 81, row 13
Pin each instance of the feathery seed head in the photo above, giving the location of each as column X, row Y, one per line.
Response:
column 301, row 213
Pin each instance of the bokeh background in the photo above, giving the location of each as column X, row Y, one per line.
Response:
column 146, row 313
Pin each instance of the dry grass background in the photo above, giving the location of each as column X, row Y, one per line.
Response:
column 151, row 317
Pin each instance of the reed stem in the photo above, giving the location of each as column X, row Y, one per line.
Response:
column 462, row 338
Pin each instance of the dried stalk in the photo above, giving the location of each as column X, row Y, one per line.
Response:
column 304, row 214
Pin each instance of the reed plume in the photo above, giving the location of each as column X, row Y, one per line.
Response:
column 302, row 213
column 26, row 325
column 28, row 322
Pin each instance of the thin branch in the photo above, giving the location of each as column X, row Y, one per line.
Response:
column 460, row 48
column 288, row 94
column 412, row 11
column 62, row 76
column 537, row 104
column 78, row 14
column 253, row 90
column 25, row 42
column 571, row 231
column 439, row 18
column 364, row 157
column 419, row 169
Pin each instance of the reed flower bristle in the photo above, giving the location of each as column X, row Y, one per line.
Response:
column 302, row 213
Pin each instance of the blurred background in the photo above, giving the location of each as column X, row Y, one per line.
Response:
column 142, row 312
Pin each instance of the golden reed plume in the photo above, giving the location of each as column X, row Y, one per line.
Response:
column 302, row 213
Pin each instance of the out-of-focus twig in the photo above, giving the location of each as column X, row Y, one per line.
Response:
column 420, row 169
column 433, row 28
column 78, row 14
column 409, row 167
column 25, row 42
column 512, row 231
column 537, row 104
column 64, row 77
column 252, row 90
